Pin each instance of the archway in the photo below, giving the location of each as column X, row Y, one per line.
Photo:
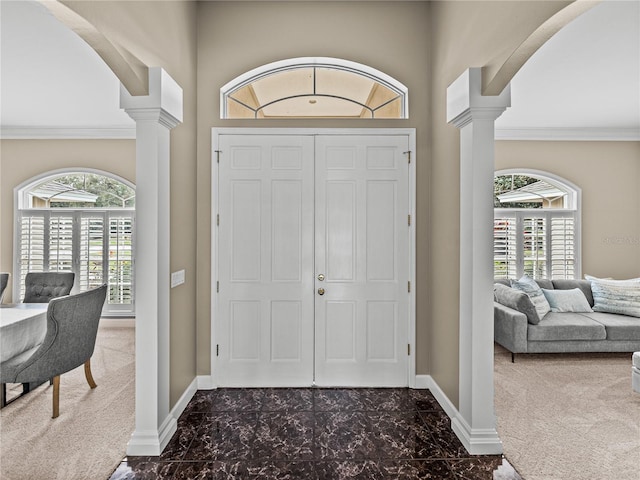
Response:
column 474, row 101
column 154, row 100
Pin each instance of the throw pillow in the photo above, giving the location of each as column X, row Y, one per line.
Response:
column 529, row 286
column 616, row 296
column 520, row 301
column 609, row 279
column 572, row 300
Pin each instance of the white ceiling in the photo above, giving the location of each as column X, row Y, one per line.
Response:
column 586, row 78
column 49, row 76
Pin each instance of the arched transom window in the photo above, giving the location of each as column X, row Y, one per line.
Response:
column 314, row 88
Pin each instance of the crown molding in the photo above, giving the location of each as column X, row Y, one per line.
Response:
column 71, row 132
column 570, row 134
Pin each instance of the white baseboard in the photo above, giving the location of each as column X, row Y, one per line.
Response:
column 427, row 381
column 115, row 322
column 476, row 441
column 152, row 443
column 205, row 382
column 184, row 399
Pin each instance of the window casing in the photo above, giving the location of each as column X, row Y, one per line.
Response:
column 314, row 87
column 80, row 221
column 543, row 243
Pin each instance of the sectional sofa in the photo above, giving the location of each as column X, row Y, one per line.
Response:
column 518, row 329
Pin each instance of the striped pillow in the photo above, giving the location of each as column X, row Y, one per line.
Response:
column 529, row 286
column 616, row 296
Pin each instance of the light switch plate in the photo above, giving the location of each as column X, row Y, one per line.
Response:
column 177, row 278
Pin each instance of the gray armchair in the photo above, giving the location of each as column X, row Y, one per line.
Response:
column 72, row 326
column 4, row 281
column 40, row 287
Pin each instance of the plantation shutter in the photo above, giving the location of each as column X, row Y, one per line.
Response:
column 31, row 235
column 92, row 252
column 120, row 259
column 534, row 246
column 61, row 231
column 542, row 243
column 563, row 251
column 504, row 247
column 96, row 245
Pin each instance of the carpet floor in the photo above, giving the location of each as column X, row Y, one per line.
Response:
column 89, row 438
column 568, row 416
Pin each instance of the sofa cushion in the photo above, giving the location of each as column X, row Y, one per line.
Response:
column 619, row 327
column 567, row 326
column 616, row 296
column 567, row 300
column 529, row 286
column 544, row 283
column 568, row 284
column 516, row 299
column 636, row 360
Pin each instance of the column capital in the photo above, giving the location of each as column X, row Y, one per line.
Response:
column 466, row 103
column 153, row 115
column 163, row 104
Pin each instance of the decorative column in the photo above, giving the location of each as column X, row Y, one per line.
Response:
column 155, row 115
column 475, row 115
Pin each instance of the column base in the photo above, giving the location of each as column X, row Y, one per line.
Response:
column 477, row 441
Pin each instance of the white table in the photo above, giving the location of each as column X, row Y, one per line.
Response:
column 22, row 326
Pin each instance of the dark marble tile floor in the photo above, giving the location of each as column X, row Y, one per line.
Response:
column 314, row 434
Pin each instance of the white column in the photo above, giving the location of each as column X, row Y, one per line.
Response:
column 155, row 115
column 475, row 115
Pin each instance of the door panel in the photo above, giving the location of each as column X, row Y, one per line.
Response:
column 265, row 254
column 340, row 213
column 362, row 249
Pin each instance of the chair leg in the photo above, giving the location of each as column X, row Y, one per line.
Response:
column 3, row 395
column 56, row 396
column 87, row 373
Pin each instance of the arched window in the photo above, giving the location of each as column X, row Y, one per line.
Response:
column 536, row 228
column 314, row 88
column 81, row 222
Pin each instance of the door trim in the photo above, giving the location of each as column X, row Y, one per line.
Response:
column 215, row 142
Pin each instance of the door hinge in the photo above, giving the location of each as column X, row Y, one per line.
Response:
column 409, row 286
column 409, row 349
column 218, row 219
column 218, row 287
column 217, row 350
column 408, row 153
column 409, row 219
column 218, row 155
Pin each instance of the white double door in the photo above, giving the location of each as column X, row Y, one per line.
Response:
column 313, row 261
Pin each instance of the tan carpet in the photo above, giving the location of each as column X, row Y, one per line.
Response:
column 568, row 416
column 89, row 438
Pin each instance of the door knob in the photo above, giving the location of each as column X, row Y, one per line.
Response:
column 321, row 291
column 321, row 277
